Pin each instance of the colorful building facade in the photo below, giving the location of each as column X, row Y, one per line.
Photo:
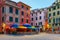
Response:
column 39, row 17
column 24, row 13
column 54, row 15
column 12, row 12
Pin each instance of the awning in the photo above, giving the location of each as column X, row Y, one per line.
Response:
column 14, row 26
column 22, row 27
column 33, row 27
column 27, row 25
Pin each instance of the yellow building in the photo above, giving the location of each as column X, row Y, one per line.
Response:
column 54, row 14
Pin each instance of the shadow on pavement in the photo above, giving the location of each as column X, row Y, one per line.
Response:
column 22, row 34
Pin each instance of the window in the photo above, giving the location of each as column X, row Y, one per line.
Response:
column 56, row 24
column 22, row 20
column 58, row 6
column 40, row 12
column 32, row 24
column 54, row 7
column 52, row 24
column 49, row 21
column 17, row 11
column 36, row 18
column 36, row 13
column 50, row 15
column 11, row 19
column 36, row 24
column 49, row 9
column 40, row 23
column 16, row 19
column 27, row 8
column 59, row 24
column 11, row 9
column 40, row 17
column 32, row 14
column 32, row 19
column 2, row 19
column 57, row 20
column 26, row 21
column 22, row 6
column 58, row 12
column 22, row 13
column 2, row 9
column 53, row 13
column 53, row 20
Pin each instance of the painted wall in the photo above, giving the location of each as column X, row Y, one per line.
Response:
column 39, row 13
column 14, row 5
column 25, row 17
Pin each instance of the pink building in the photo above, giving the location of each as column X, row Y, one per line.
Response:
column 38, row 17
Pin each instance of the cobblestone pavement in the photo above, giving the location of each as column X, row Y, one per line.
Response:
column 41, row 36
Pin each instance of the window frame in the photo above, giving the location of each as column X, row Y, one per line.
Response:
column 17, row 12
column 16, row 20
column 10, row 9
column 22, row 13
column 3, row 9
column 32, row 19
column 27, row 21
column 40, row 17
column 54, row 13
column 22, row 20
column 58, row 12
column 49, row 14
column 54, row 7
column 11, row 20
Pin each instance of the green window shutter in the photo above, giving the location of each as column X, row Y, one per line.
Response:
column 50, row 15
column 58, row 6
column 11, row 19
column 16, row 19
column 53, row 13
column 49, row 20
column 10, row 9
column 58, row 12
column 53, row 20
column 17, row 12
column 54, row 7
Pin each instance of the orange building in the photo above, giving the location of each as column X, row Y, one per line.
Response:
column 12, row 12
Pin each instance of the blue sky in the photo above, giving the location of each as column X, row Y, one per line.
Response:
column 37, row 4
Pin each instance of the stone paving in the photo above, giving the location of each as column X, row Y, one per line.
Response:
column 41, row 36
